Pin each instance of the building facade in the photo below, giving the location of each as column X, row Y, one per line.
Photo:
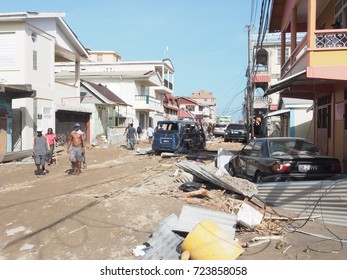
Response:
column 30, row 45
column 317, row 66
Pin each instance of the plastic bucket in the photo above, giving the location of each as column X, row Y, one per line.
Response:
column 208, row 241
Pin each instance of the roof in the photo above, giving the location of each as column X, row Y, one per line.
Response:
column 30, row 17
column 184, row 114
column 104, row 91
column 201, row 94
column 189, row 100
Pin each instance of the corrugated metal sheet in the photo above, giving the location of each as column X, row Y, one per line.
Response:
column 209, row 177
column 164, row 243
column 191, row 216
column 327, row 198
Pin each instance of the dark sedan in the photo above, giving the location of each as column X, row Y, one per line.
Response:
column 283, row 159
column 237, row 132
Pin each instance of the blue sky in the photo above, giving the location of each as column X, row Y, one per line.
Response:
column 206, row 40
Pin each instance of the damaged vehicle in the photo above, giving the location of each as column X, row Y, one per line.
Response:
column 283, row 159
column 182, row 136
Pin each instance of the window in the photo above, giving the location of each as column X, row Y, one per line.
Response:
column 34, row 60
column 7, row 50
column 279, row 55
column 190, row 108
column 341, row 13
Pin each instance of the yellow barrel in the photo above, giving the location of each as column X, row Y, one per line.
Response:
column 208, row 241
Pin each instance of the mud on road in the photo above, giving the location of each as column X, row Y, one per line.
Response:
column 112, row 207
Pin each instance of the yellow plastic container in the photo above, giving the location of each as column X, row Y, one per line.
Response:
column 208, row 241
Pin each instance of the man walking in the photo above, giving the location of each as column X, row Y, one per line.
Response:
column 76, row 148
column 132, row 134
column 139, row 133
column 40, row 151
column 150, row 132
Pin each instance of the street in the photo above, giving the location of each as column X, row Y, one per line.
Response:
column 112, row 207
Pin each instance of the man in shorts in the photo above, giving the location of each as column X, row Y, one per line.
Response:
column 76, row 148
column 40, row 151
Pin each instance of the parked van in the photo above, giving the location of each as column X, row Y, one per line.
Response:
column 178, row 136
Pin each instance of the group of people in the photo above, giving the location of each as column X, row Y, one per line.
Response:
column 43, row 149
column 44, row 145
column 134, row 135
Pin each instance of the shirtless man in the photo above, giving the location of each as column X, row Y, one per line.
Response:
column 76, row 148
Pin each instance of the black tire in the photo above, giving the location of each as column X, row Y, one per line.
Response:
column 225, row 140
column 258, row 178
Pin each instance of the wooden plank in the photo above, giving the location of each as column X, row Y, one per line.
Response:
column 15, row 155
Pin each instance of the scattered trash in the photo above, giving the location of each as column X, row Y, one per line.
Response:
column 190, row 186
column 13, row 231
column 26, row 247
column 140, row 251
column 248, row 216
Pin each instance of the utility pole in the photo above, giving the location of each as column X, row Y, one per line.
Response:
column 250, row 98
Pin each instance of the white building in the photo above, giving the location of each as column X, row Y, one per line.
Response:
column 141, row 84
column 30, row 45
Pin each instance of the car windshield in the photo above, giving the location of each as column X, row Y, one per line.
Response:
column 236, row 127
column 167, row 128
column 280, row 147
column 220, row 125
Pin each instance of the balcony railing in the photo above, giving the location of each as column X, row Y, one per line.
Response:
column 146, row 102
column 299, row 51
column 330, row 39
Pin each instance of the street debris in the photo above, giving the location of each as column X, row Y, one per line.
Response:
column 26, row 247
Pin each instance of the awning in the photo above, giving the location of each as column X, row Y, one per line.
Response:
column 276, row 113
column 18, row 91
column 282, row 84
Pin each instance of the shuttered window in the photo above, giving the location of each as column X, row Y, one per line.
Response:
column 7, row 50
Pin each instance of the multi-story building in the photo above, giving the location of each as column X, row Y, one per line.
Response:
column 30, row 96
column 207, row 103
column 145, row 85
column 270, row 118
column 317, row 66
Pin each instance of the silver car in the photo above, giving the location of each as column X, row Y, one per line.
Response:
column 219, row 129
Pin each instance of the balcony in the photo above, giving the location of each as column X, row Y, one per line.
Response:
column 148, row 103
column 292, row 65
column 328, row 50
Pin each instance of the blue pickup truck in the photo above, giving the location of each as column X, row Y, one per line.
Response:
column 182, row 137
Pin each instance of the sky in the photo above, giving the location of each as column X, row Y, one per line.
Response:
column 207, row 41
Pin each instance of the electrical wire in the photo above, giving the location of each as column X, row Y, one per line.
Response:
column 291, row 228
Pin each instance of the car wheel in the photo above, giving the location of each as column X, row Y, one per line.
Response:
column 232, row 171
column 258, row 178
column 225, row 140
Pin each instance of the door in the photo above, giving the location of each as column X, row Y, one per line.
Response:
column 3, row 132
column 65, row 124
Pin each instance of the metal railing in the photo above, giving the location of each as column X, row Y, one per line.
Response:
column 330, row 39
column 148, row 102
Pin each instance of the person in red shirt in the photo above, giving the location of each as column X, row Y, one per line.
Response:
column 51, row 141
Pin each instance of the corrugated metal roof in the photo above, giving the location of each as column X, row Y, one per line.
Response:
column 164, row 243
column 327, row 199
column 191, row 216
column 202, row 173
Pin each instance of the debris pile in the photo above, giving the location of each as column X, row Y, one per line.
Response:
column 219, row 207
